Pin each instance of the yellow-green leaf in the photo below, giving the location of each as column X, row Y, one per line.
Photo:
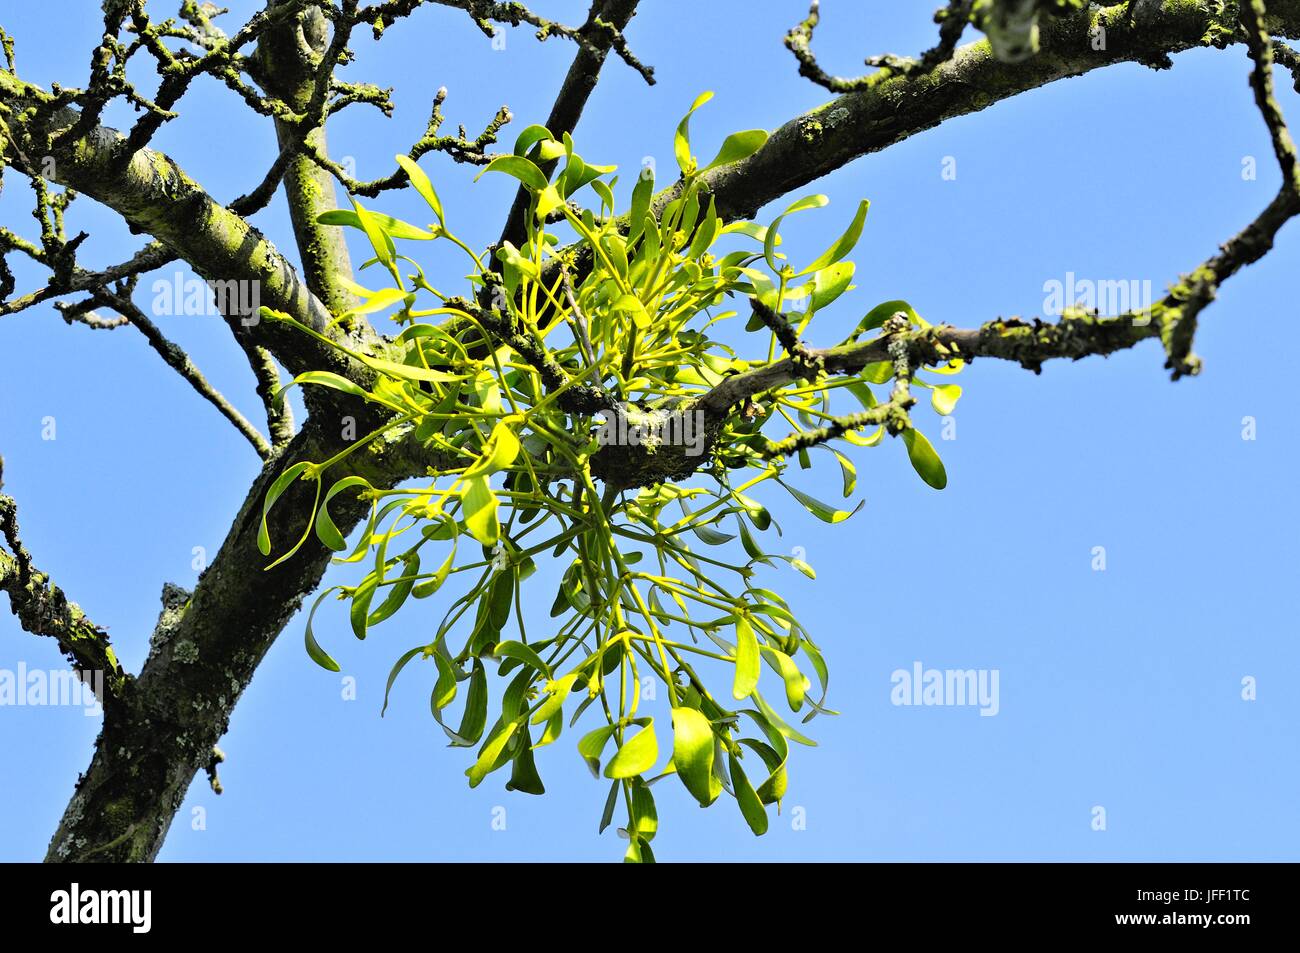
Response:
column 637, row 755
column 422, row 185
column 693, row 754
column 682, row 138
column 747, row 658
column 924, row 459
column 480, row 505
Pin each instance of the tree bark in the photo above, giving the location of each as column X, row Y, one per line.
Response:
column 163, row 732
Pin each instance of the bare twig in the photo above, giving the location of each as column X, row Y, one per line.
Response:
column 172, row 354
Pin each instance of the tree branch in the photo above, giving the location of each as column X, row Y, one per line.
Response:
column 154, row 195
column 279, row 415
column 199, row 665
column 578, row 85
column 297, row 60
column 172, row 354
column 43, row 609
column 894, row 106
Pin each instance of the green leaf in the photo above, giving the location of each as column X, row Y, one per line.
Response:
column 944, row 398
column 924, row 459
column 480, row 505
column 737, row 146
column 796, row 684
column 638, row 851
column 823, row 511
column 747, row 541
column 499, row 452
column 592, row 744
column 779, row 724
column 381, row 300
column 559, row 691
column 314, row 651
column 862, row 392
column 396, row 670
column 489, row 758
column 549, row 150
column 749, row 229
column 750, row 805
column 642, row 192
column 771, row 239
column 326, row 531
column 277, row 489
column 633, row 306
column 409, row 372
column 707, row 233
column 682, row 138
column 747, row 659
column 548, row 200
column 829, row 283
column 422, row 590
column 524, row 653
column 385, row 224
column 488, row 391
column 400, row 589
column 606, row 194
column 607, row 815
column 878, row 372
column 754, row 509
column 359, row 611
column 325, row 379
column 474, row 719
column 444, row 690
column 637, row 755
column 647, row 816
column 554, row 726
column 881, row 313
column 693, row 754
column 374, row 230
column 423, row 186
column 530, row 137
column 533, row 178
column 847, row 471
column 524, row 776
column 844, row 244
column 711, row 536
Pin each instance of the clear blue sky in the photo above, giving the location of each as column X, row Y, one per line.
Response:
column 1119, row 688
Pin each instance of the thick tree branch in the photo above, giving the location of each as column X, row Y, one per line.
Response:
column 297, row 59
column 155, row 196
column 199, row 665
column 895, row 106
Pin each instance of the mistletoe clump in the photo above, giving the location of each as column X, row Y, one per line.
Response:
column 578, row 403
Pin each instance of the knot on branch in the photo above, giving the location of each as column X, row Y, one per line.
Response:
column 644, row 446
column 174, row 601
column 808, row 364
column 217, row 758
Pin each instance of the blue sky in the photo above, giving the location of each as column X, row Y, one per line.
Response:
column 1119, row 688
